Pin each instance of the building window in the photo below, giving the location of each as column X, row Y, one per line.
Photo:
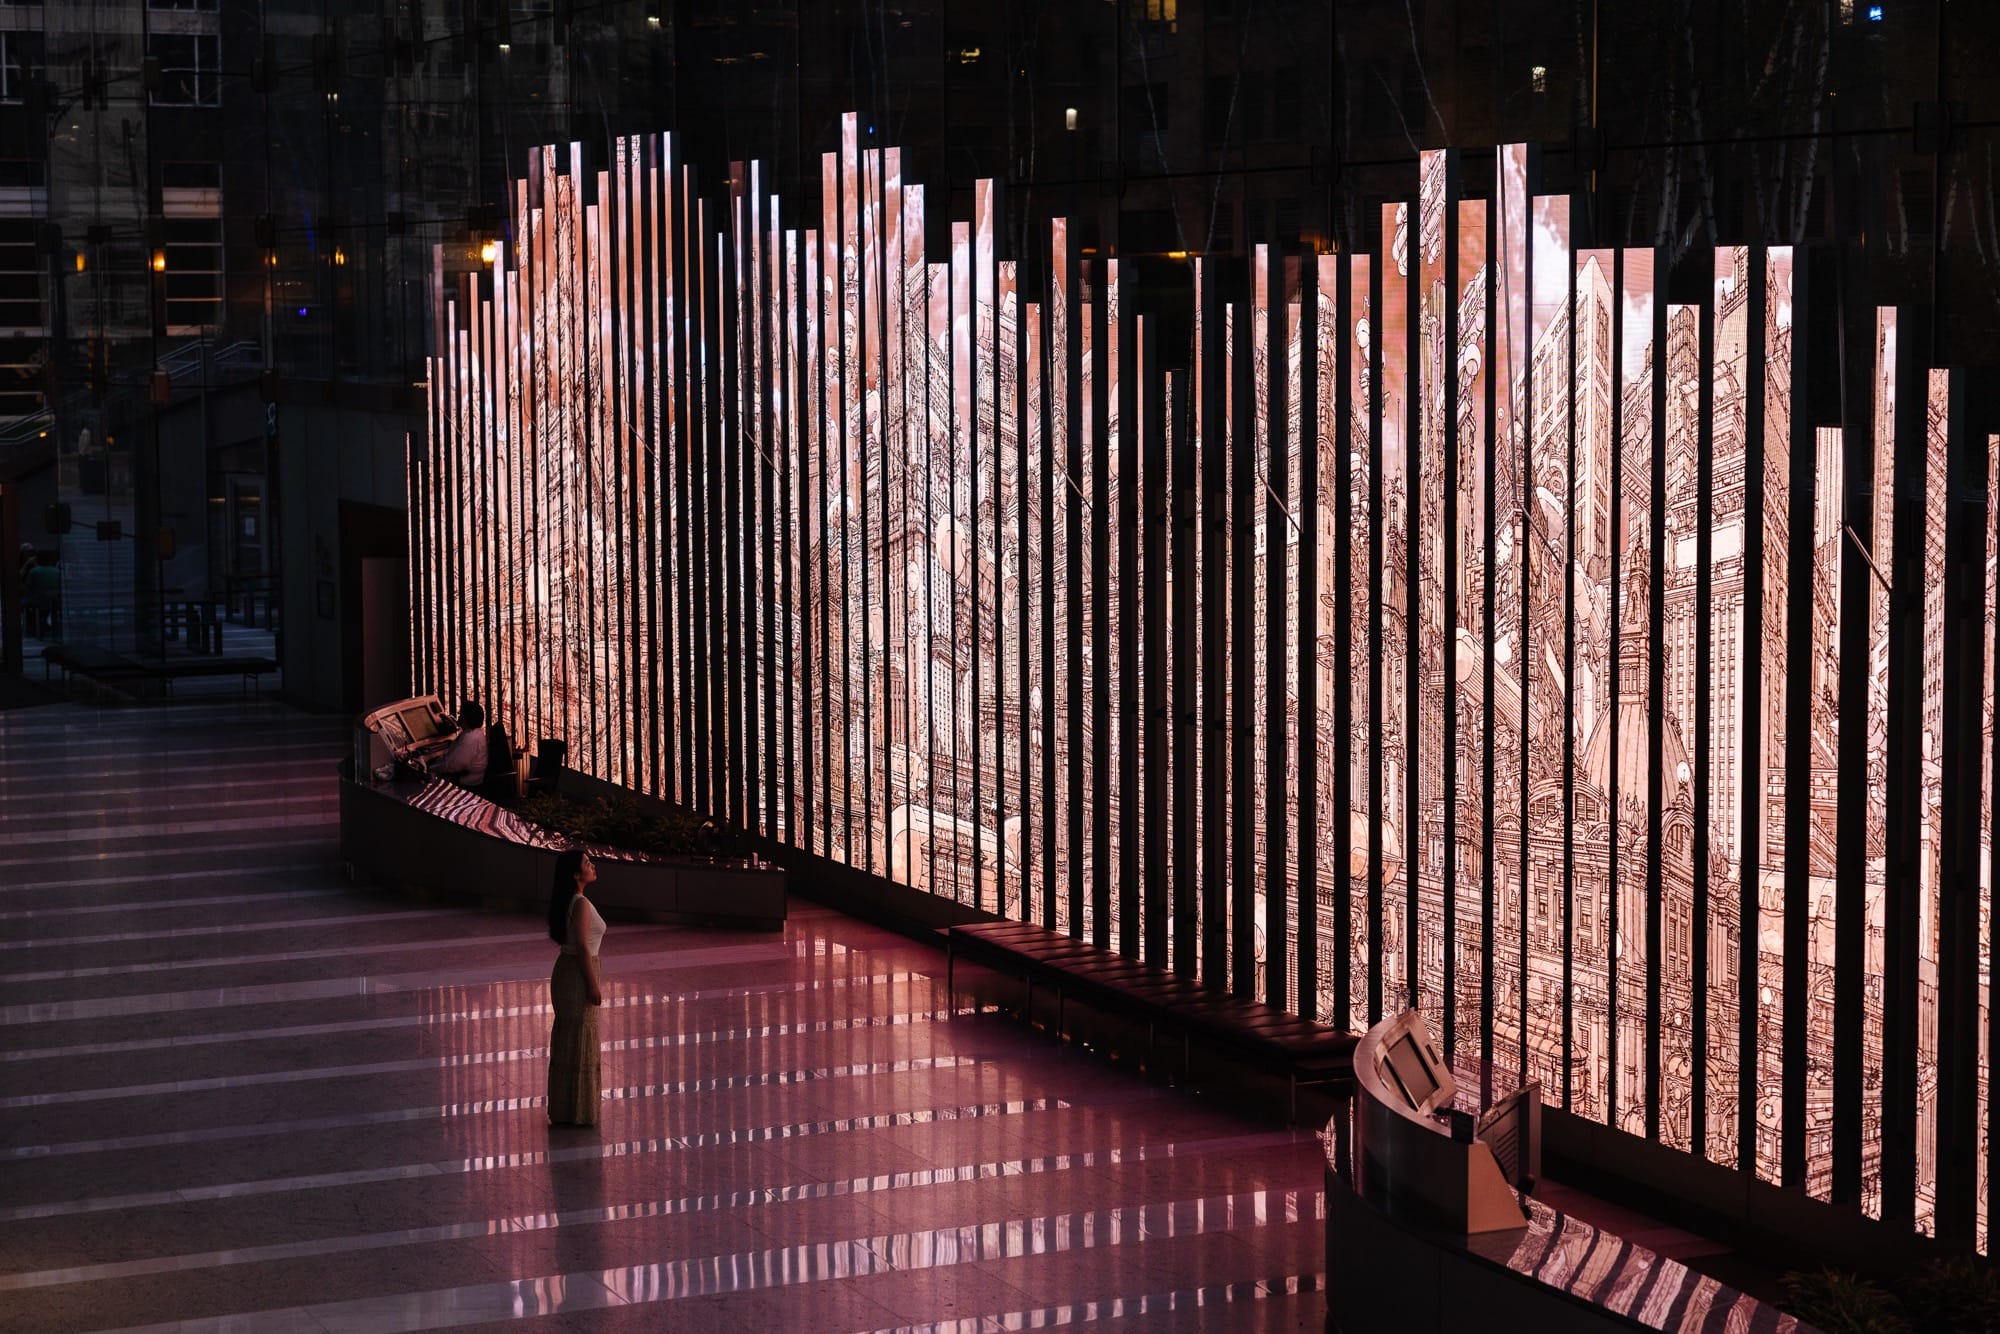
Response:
column 1285, row 103
column 21, row 62
column 194, row 274
column 1216, row 109
column 190, row 66
column 21, row 269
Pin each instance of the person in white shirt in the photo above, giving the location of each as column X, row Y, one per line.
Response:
column 465, row 762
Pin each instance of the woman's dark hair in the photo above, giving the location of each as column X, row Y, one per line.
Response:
column 470, row 715
column 562, row 893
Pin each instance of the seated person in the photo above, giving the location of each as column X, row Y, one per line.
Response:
column 465, row 762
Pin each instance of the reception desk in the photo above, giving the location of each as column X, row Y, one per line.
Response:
column 437, row 837
column 1424, row 1231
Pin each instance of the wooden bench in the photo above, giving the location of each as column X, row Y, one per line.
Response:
column 1303, row 1051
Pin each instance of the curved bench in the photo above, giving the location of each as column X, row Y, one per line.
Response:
column 1301, row 1050
column 445, row 839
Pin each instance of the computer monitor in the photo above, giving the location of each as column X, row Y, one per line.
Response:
column 1512, row 1128
column 1413, row 1061
column 419, row 722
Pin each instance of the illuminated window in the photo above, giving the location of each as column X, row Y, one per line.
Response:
column 190, row 67
column 1539, row 78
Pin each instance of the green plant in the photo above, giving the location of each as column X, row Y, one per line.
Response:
column 1843, row 1303
column 616, row 821
column 1958, row 1294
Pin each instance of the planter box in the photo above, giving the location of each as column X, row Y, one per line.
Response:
column 386, row 837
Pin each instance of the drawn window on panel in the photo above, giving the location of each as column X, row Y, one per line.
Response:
column 189, row 69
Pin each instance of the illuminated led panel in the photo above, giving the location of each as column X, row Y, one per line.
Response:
column 909, row 550
column 982, row 552
column 1402, row 842
column 1366, row 837
column 1506, row 715
column 1298, row 510
column 1729, row 693
column 817, row 773
column 1679, row 436
column 1191, row 925
column 1435, row 770
column 791, row 585
column 1549, row 718
column 872, row 487
column 769, row 466
column 1876, row 731
column 668, row 443
column 1175, row 589
column 570, row 651
column 1145, row 824
column 1009, row 741
column 1991, row 598
column 1085, row 724
column 1471, row 547
column 1060, row 678
column 1829, row 548
column 1222, row 836
column 1626, row 758
column 1593, row 453
column 1038, row 756
column 836, row 736
column 477, row 457
column 928, row 869
column 960, row 479
column 1264, row 548
column 601, row 506
column 1767, row 787
column 1931, row 795
column 1108, row 601
column 845, row 275
column 643, row 405
column 740, row 496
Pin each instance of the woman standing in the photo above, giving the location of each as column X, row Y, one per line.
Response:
column 578, row 991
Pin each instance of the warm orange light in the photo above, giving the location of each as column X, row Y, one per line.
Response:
column 339, row 256
column 79, row 261
column 159, row 261
column 489, row 252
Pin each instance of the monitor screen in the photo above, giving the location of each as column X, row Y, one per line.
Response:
column 420, row 723
column 1412, row 1072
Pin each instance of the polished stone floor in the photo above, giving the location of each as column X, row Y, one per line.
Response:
column 238, row 1093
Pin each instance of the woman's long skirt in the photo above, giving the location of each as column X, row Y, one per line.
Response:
column 573, row 1055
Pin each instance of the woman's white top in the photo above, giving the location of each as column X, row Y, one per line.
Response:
column 585, row 923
